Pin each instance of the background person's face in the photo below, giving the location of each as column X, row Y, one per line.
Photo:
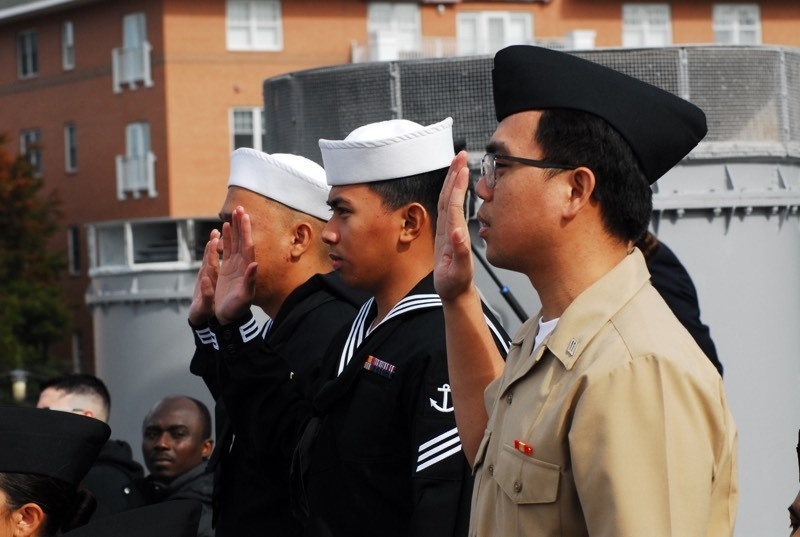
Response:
column 172, row 440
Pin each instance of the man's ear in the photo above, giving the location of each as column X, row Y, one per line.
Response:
column 415, row 221
column 581, row 183
column 208, row 447
column 27, row 520
column 302, row 238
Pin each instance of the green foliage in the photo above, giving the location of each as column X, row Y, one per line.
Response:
column 33, row 313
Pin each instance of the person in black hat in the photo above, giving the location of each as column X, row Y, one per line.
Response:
column 606, row 418
column 44, row 455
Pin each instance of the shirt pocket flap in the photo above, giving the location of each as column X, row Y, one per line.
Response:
column 525, row 479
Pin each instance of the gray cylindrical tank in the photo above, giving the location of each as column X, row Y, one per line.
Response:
column 729, row 211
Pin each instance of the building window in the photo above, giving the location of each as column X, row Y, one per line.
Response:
column 74, row 250
column 67, row 46
column 30, row 147
column 254, row 25
column 136, row 169
column 131, row 62
column 646, row 25
column 394, row 30
column 737, row 24
column 486, row 32
column 248, row 128
column 27, row 54
column 70, row 148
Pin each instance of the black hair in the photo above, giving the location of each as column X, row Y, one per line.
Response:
column 82, row 384
column 65, row 506
column 578, row 138
column 422, row 188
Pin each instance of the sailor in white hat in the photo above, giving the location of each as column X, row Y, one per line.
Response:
column 381, row 455
column 274, row 258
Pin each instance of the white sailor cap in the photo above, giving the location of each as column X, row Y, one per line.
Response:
column 292, row 180
column 388, row 150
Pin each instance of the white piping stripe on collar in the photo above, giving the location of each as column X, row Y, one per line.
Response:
column 356, row 335
column 496, row 332
column 267, row 326
column 449, row 441
column 412, row 303
column 359, row 330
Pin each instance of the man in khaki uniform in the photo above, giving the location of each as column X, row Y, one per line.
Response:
column 606, row 418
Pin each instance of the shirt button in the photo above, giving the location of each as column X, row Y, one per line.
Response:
column 509, row 398
column 517, row 486
column 491, row 469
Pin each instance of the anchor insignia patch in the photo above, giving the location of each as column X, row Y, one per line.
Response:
column 446, row 406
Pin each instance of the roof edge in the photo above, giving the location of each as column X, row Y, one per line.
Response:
column 27, row 8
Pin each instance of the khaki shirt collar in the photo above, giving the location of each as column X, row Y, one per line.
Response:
column 594, row 307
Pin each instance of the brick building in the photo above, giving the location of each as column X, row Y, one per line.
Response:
column 130, row 108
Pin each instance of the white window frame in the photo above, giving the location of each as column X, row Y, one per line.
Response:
column 646, row 25
column 733, row 20
column 27, row 54
column 70, row 147
column 131, row 62
column 28, row 146
column 256, row 134
column 67, row 46
column 136, row 169
column 394, row 29
column 251, row 26
column 480, row 38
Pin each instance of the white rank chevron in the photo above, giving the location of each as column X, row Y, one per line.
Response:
column 439, row 448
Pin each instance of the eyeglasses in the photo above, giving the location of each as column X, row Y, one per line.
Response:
column 489, row 166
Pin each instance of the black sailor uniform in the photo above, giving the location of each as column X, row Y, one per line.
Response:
column 377, row 449
column 251, row 486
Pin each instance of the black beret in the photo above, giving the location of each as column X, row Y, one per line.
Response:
column 49, row 442
column 171, row 518
column 660, row 127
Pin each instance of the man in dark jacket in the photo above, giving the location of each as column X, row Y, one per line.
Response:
column 114, row 468
column 286, row 197
column 176, row 443
column 377, row 451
